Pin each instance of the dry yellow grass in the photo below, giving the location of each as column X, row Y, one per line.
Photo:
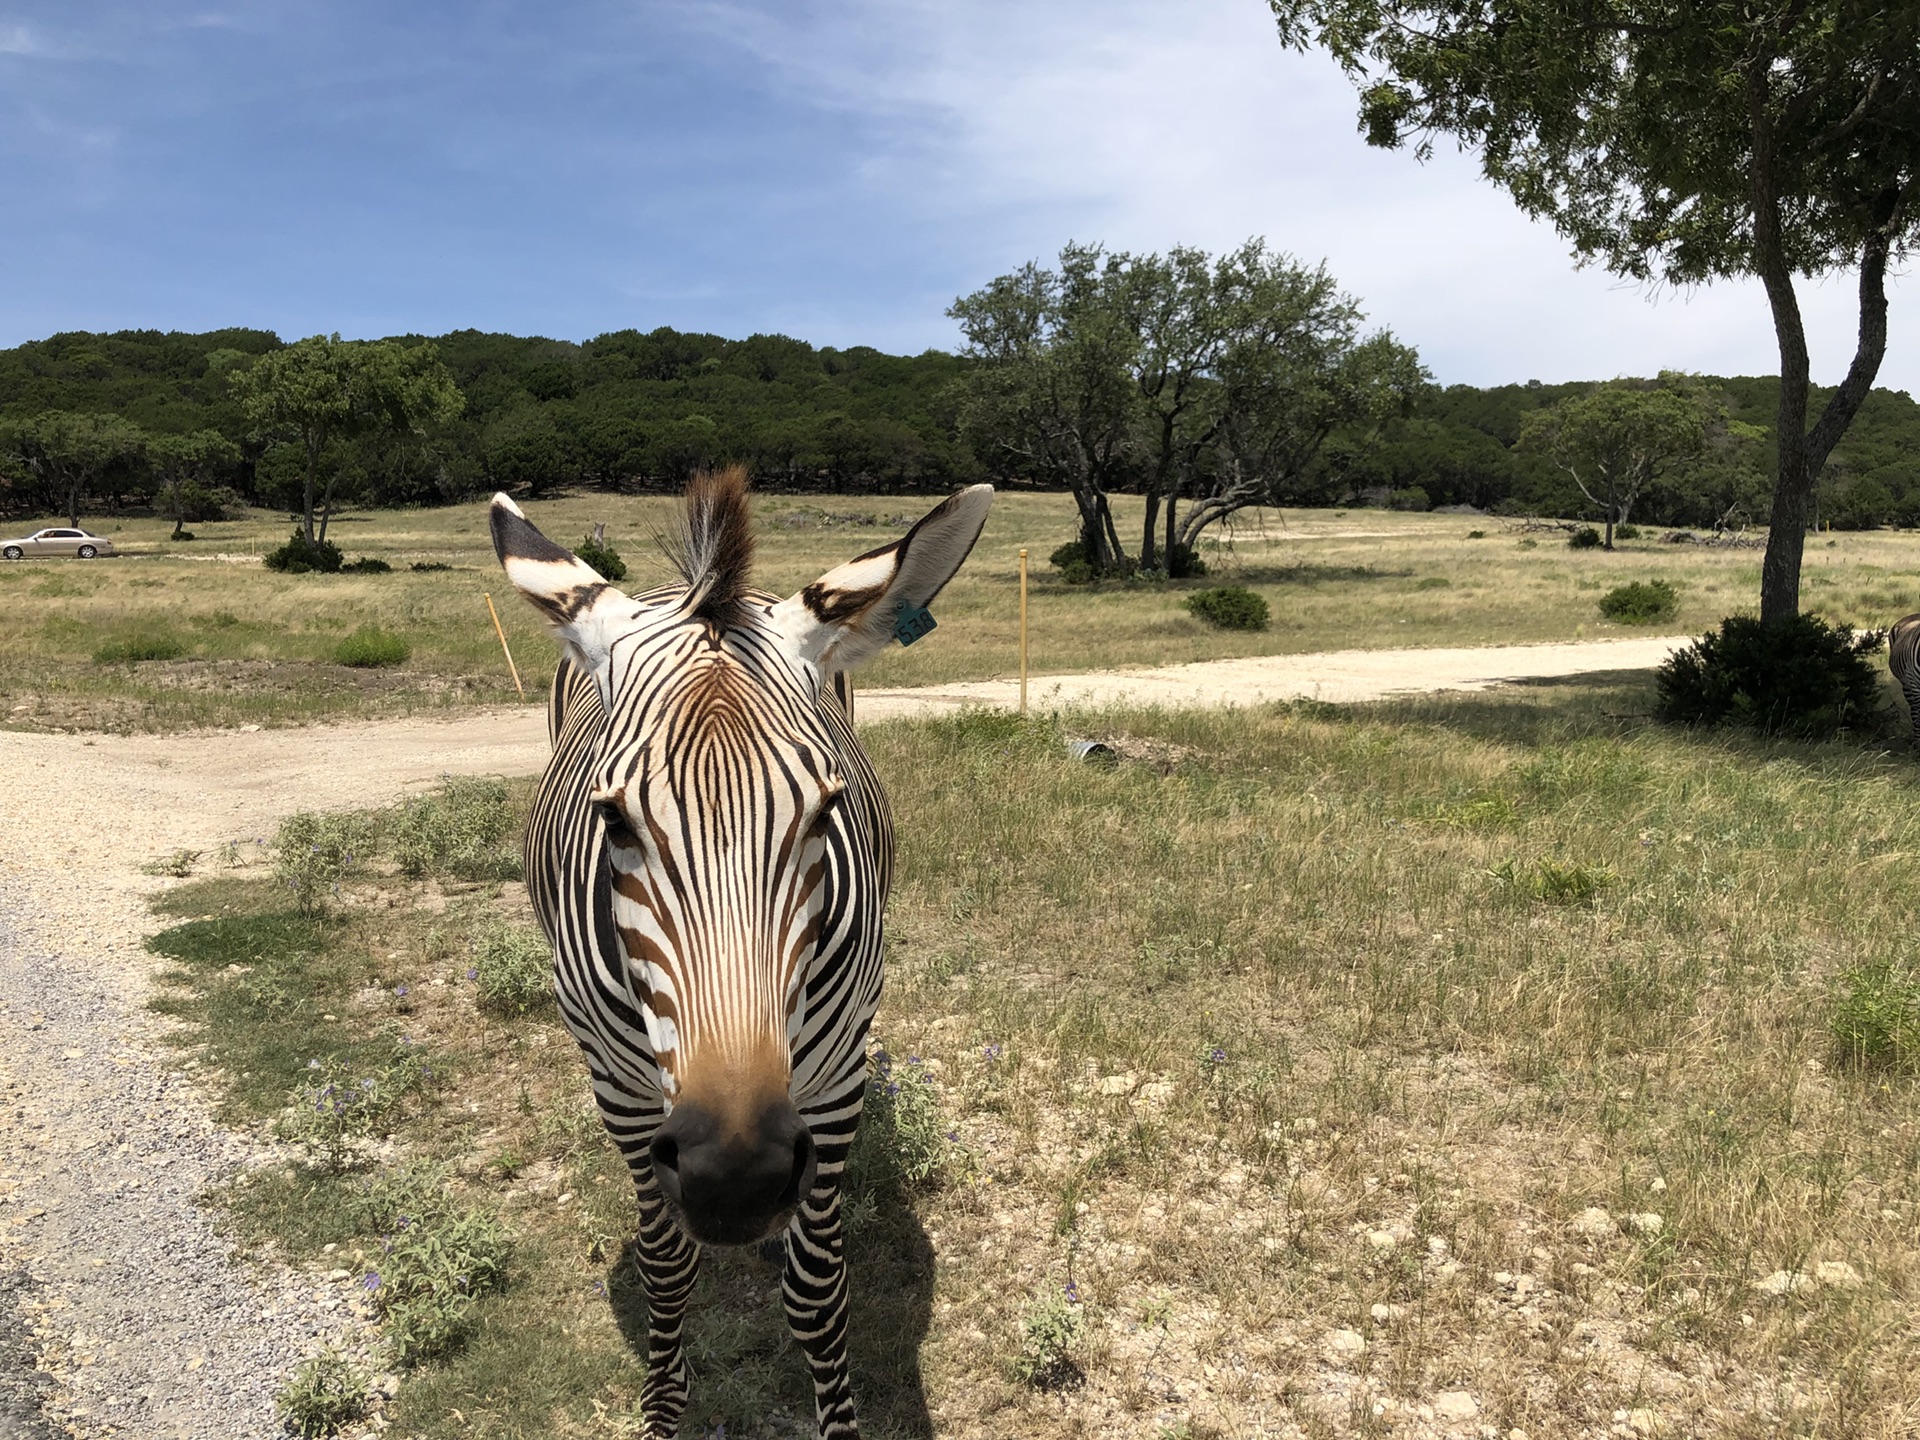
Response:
column 1397, row 1070
column 256, row 647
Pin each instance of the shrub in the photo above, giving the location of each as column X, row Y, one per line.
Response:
column 132, row 649
column 1555, row 882
column 1876, row 1016
column 1229, row 607
column 370, row 647
column 603, row 558
column 1072, row 563
column 313, row 852
column 1183, row 564
column 178, row 864
column 1476, row 534
column 1585, row 538
column 1528, row 543
column 1640, row 603
column 466, row 829
column 439, row 1256
column 1799, row 677
column 1048, row 1332
column 366, row 565
column 335, row 1106
column 513, row 968
column 181, row 535
column 1414, row 497
column 1626, row 532
column 327, row 1393
column 904, row 1145
column 425, row 567
column 299, row 556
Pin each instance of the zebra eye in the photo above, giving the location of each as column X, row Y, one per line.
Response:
column 612, row 817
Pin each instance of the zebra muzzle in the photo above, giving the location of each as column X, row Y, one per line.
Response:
column 733, row 1184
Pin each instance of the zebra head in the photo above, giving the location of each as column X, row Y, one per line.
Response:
column 746, row 840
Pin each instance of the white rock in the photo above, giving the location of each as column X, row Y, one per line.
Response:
column 1647, row 1222
column 1781, row 1282
column 1837, row 1273
column 1593, row 1223
column 1381, row 1239
column 1643, row 1422
column 1117, row 1084
column 1345, row 1344
column 1657, row 1185
column 1455, row 1405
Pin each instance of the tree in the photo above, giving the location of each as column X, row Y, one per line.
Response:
column 323, row 389
column 1681, row 141
column 1615, row 440
column 1053, row 392
column 68, row 452
column 1180, row 375
column 184, row 464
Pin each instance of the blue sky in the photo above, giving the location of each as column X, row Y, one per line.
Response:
column 836, row 171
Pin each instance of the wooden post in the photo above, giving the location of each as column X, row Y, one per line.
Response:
column 504, row 650
column 1023, row 629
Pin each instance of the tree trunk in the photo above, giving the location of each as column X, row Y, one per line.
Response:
column 73, row 503
column 1792, row 485
column 306, row 499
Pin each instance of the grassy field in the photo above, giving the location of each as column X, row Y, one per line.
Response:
column 246, row 646
column 1487, row 1061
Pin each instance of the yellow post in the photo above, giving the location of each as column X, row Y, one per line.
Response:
column 504, row 650
column 1023, row 629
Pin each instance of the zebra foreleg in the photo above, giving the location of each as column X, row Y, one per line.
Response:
column 815, row 1291
column 669, row 1263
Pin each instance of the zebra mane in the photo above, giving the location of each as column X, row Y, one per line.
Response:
column 713, row 546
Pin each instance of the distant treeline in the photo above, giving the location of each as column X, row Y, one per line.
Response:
column 638, row 412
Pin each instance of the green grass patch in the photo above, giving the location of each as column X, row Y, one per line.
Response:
column 138, row 648
column 370, row 647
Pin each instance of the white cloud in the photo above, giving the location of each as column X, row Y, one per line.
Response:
column 1018, row 124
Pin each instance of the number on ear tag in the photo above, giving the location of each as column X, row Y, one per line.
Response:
column 911, row 623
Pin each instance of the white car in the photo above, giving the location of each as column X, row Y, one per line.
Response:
column 83, row 543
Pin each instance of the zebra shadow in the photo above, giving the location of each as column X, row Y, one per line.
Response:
column 747, row 1374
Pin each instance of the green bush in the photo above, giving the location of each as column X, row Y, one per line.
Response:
column 1229, row 607
column 181, row 535
column 132, row 649
column 1875, row 1021
column 370, row 647
column 1800, row 677
column 300, row 556
column 313, row 852
column 427, row 567
column 1183, row 564
column 603, row 558
column 1626, row 532
column 1555, row 882
column 439, row 1257
column 904, row 1145
column 335, row 1107
column 467, row 829
column 1640, row 603
column 512, row 967
column 1414, row 497
column 1071, row 561
column 1049, row 1330
column 325, row 1395
column 366, row 565
column 1585, row 538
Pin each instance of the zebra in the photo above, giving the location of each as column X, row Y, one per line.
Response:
column 709, row 853
column 1903, row 659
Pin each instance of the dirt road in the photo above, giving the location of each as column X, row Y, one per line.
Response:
column 138, row 1323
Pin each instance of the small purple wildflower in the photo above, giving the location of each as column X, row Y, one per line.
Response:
column 371, row 1282
column 1072, row 1293
column 1216, row 1056
column 991, row 1052
column 473, row 972
column 400, row 992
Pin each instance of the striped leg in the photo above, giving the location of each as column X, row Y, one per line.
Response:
column 815, row 1291
column 669, row 1264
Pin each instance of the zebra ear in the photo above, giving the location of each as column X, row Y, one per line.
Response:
column 560, row 585
column 848, row 615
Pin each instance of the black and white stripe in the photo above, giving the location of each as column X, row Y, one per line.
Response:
column 709, row 853
column 1903, row 658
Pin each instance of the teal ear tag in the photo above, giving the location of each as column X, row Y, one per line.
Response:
column 911, row 623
